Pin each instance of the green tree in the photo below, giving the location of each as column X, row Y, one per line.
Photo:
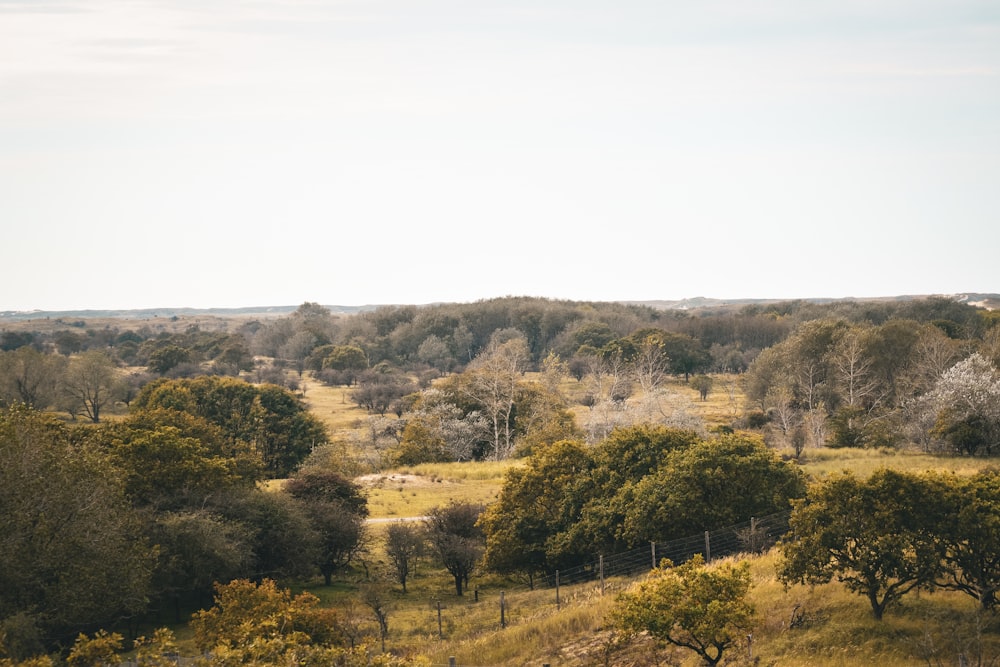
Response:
column 539, row 502
column 345, row 358
column 716, row 482
column 704, row 609
column 337, row 509
column 197, row 548
column 456, row 538
column 971, row 535
column 268, row 419
column 71, row 552
column 283, row 542
column 164, row 359
column 686, row 354
column 404, row 545
column 165, row 469
column 878, row 536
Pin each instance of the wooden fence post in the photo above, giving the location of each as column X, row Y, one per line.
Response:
column 503, row 610
column 440, row 632
column 708, row 547
column 557, row 589
column 601, row 565
column 652, row 548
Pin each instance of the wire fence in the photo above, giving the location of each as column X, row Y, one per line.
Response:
column 753, row 536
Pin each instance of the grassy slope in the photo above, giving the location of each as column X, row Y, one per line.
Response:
column 837, row 629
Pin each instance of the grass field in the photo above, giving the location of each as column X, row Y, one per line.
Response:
column 819, row 626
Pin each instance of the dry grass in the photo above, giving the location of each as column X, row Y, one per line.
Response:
column 834, row 628
column 822, row 462
column 412, row 491
column 332, row 405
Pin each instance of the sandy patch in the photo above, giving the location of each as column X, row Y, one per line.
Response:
column 380, row 480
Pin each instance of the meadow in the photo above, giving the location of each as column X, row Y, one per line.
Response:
column 818, row 626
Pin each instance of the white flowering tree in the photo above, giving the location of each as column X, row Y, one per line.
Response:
column 965, row 403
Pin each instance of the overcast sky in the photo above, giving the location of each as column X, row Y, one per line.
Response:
column 225, row 153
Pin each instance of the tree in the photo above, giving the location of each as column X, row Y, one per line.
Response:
column 971, row 533
column 456, row 538
column 345, row 358
column 283, row 542
column 30, row 377
column 686, row 354
column 966, row 401
column 381, row 390
column 166, row 358
column 703, row 385
column 877, row 536
column 374, row 596
column 90, row 382
column 71, row 552
column 96, row 651
column 197, row 548
column 538, row 503
column 315, row 484
column 704, row 609
column 337, row 510
column 650, row 361
column 492, row 382
column 404, row 544
column 163, row 468
column 262, row 622
column 270, row 420
column 712, row 483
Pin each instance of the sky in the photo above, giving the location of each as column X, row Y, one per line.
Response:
column 225, row 153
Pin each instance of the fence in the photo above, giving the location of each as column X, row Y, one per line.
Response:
column 753, row 536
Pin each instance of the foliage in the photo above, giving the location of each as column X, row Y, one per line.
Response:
column 96, row 651
column 971, row 535
column 641, row 484
column 404, row 545
column 71, row 554
column 966, row 402
column 704, row 609
column 315, row 485
column 538, row 503
column 457, row 539
column 247, row 615
column 717, row 482
column 878, row 536
column 270, row 419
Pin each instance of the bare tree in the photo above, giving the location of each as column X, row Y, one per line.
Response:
column 650, row 363
column 493, row 379
column 90, row 382
column 404, row 545
column 376, row 598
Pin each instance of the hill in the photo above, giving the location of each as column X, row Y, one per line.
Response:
column 985, row 300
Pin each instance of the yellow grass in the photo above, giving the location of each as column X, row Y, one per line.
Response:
column 332, row 405
column 821, row 462
column 412, row 491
